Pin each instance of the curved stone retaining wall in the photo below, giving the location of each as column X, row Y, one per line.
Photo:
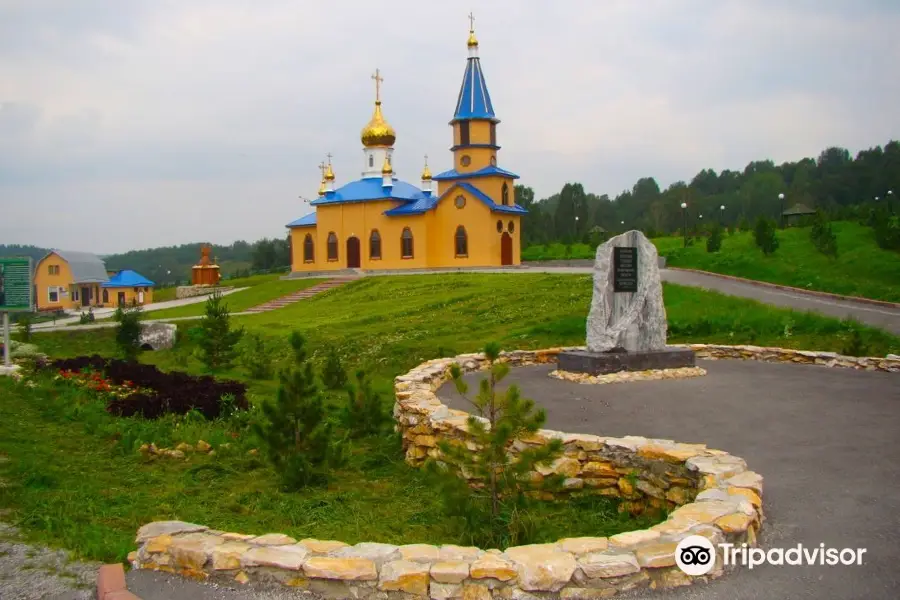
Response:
column 710, row 492
column 810, row 357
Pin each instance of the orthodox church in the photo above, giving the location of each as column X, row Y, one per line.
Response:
column 381, row 222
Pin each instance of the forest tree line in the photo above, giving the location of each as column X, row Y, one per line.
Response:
column 835, row 183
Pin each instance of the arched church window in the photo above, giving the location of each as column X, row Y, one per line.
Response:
column 462, row 242
column 511, row 227
column 406, row 243
column 499, row 226
column 332, row 246
column 309, row 254
column 375, row 245
column 371, row 161
column 505, row 195
column 464, row 133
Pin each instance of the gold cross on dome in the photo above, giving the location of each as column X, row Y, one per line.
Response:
column 329, row 157
column 322, row 168
column 378, row 79
column 426, row 160
column 471, row 22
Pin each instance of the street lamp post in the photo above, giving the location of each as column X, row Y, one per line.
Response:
column 722, row 215
column 684, row 222
column 889, row 194
column 781, row 198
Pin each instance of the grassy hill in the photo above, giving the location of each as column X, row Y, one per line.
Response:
column 861, row 268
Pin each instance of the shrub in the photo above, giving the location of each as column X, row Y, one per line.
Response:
column 174, row 392
column 257, row 356
column 217, row 346
column 493, row 508
column 887, row 232
column 743, row 224
column 714, row 241
column 853, row 342
column 25, row 321
column 822, row 236
column 333, row 374
column 764, row 235
column 364, row 412
column 293, row 429
column 128, row 332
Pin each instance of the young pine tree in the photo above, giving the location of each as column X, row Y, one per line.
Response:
column 218, row 342
column 128, row 331
column 492, row 506
column 714, row 241
column 333, row 374
column 822, row 236
column 764, row 235
column 297, row 437
column 364, row 413
column 257, row 356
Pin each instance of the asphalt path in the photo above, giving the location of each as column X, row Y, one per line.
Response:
column 825, row 441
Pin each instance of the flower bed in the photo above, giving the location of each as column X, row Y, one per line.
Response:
column 138, row 389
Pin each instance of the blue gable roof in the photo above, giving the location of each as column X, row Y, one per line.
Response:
column 427, row 204
column 486, row 171
column 371, row 189
column 127, row 278
column 304, row 221
column 474, row 101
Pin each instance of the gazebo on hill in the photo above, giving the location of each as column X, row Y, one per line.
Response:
column 794, row 214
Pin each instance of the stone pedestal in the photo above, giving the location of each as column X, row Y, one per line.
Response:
column 601, row 363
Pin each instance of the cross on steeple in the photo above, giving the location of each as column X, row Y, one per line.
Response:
column 378, row 79
column 329, row 157
column 322, row 166
column 426, row 160
column 471, row 22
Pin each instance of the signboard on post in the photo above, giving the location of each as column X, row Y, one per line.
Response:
column 625, row 269
column 15, row 284
column 15, row 295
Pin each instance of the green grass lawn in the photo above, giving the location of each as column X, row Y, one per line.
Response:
column 164, row 294
column 260, row 289
column 74, row 479
column 861, row 268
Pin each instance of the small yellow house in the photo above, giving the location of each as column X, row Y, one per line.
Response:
column 65, row 280
column 379, row 222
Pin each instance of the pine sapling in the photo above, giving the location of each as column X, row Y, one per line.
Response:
column 218, row 342
column 364, row 412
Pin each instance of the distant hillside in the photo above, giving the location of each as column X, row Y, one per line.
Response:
column 171, row 265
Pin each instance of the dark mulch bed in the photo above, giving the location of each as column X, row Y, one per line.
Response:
column 174, row 392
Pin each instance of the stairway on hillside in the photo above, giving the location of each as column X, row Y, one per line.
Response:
column 301, row 294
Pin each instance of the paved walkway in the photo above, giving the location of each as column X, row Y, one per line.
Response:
column 102, row 313
column 823, row 439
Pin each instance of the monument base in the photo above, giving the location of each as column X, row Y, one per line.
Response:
column 601, row 363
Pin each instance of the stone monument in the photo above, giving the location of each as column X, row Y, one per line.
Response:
column 626, row 326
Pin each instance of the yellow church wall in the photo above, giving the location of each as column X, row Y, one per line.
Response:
column 358, row 220
column 109, row 296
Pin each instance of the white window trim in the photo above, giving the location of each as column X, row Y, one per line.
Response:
column 51, row 289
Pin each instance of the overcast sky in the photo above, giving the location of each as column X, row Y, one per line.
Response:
column 128, row 124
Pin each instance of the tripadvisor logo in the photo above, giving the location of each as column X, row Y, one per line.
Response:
column 696, row 555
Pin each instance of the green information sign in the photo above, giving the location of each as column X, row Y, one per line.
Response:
column 15, row 284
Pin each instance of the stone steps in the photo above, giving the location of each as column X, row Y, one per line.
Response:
column 301, row 295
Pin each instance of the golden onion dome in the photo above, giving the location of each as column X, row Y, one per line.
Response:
column 426, row 173
column 329, row 173
column 322, row 189
column 472, row 43
column 378, row 132
column 387, row 169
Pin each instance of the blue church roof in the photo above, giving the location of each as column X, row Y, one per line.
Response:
column 474, row 100
column 370, row 188
column 128, row 278
column 426, row 204
column 304, row 221
column 489, row 170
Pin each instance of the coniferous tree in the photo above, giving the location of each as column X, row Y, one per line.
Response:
column 493, row 501
column 822, row 236
column 364, row 412
column 128, row 331
column 333, row 374
column 764, row 235
column 297, row 437
column 714, row 241
column 218, row 342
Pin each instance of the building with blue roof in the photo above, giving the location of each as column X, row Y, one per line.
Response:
column 465, row 216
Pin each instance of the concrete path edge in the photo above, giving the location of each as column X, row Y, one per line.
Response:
column 111, row 584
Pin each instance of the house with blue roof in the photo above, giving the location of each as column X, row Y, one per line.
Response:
column 65, row 280
column 465, row 216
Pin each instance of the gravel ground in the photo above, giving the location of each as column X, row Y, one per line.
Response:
column 35, row 573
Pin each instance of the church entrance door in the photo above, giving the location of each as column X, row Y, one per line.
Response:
column 506, row 249
column 353, row 253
